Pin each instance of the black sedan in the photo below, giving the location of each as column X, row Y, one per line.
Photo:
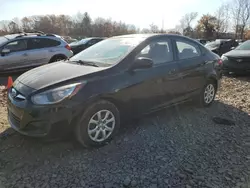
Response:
column 83, row 44
column 237, row 60
column 119, row 78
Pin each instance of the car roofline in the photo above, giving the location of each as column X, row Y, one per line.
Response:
column 151, row 35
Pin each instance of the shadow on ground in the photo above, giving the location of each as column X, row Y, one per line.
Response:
column 177, row 147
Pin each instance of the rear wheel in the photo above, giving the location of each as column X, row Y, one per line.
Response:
column 98, row 124
column 207, row 94
column 57, row 58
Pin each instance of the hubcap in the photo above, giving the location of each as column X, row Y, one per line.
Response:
column 101, row 125
column 209, row 93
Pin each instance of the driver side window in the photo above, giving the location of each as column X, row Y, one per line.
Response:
column 16, row 46
column 160, row 51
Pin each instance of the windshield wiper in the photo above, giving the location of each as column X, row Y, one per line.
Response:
column 81, row 62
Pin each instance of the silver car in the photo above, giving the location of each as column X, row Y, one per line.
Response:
column 25, row 51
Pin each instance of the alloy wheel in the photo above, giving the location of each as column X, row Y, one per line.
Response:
column 101, row 125
column 209, row 93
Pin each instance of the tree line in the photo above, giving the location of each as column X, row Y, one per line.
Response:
column 230, row 20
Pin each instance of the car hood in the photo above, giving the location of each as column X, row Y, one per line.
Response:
column 238, row 53
column 54, row 73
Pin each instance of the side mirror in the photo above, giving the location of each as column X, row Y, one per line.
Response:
column 142, row 63
column 5, row 51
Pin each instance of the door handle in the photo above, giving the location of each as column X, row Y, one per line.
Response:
column 25, row 54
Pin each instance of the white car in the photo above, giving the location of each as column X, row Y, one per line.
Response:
column 25, row 51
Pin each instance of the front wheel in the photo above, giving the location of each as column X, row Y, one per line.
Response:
column 208, row 94
column 98, row 124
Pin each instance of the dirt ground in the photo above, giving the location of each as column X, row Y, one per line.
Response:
column 177, row 147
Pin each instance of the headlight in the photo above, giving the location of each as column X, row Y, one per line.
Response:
column 56, row 95
column 224, row 58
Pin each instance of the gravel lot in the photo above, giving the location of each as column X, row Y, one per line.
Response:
column 177, row 147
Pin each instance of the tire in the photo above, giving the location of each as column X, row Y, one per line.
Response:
column 57, row 58
column 88, row 127
column 207, row 94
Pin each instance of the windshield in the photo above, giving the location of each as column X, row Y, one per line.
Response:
column 213, row 44
column 244, row 46
column 109, row 51
column 83, row 41
column 2, row 40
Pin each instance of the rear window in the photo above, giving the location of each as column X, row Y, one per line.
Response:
column 37, row 43
column 50, row 42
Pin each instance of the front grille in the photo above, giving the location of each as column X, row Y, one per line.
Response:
column 14, row 119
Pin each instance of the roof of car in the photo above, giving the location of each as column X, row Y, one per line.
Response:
column 152, row 35
column 30, row 35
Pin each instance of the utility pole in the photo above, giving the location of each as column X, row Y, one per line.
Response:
column 162, row 25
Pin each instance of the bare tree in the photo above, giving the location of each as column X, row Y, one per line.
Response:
column 4, row 26
column 241, row 15
column 244, row 16
column 185, row 23
column 222, row 19
column 154, row 28
column 186, row 20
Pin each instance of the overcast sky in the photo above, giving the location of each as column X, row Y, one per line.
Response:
column 141, row 13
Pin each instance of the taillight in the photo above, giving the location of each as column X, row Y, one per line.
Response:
column 220, row 62
column 68, row 47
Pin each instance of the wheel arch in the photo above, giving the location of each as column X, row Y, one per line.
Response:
column 214, row 79
column 56, row 56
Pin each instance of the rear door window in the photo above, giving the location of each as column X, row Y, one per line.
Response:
column 38, row 43
column 187, row 50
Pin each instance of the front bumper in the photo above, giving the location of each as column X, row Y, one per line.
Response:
column 39, row 121
column 231, row 66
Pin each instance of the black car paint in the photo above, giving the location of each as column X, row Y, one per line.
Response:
column 238, row 61
column 77, row 48
column 134, row 92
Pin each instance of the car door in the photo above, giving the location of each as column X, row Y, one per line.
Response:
column 192, row 64
column 148, row 91
column 38, row 53
column 17, row 56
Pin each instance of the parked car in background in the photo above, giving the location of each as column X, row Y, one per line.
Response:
column 69, row 39
column 240, row 41
column 202, row 41
column 118, row 78
column 28, row 50
column 83, row 44
column 221, row 46
column 237, row 60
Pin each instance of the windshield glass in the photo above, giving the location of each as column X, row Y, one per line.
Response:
column 109, row 51
column 2, row 40
column 83, row 41
column 214, row 44
column 244, row 46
